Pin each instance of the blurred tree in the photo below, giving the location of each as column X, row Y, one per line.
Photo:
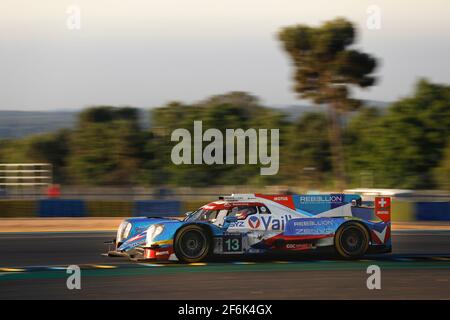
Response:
column 106, row 146
column 155, row 155
column 442, row 172
column 360, row 146
column 413, row 135
column 400, row 147
column 235, row 98
column 325, row 70
column 307, row 159
column 232, row 110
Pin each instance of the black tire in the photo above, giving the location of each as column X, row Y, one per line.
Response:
column 352, row 240
column 192, row 244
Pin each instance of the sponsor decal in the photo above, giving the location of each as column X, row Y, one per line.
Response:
column 237, row 224
column 283, row 200
column 313, row 226
column 298, row 246
column 383, row 208
column 316, row 222
column 322, row 198
column 314, row 231
column 254, row 222
column 275, row 223
column 382, row 236
column 267, row 222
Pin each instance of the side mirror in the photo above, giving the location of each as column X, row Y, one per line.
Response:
column 188, row 213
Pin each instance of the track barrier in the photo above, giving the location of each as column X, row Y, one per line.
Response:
column 433, row 211
column 401, row 210
column 61, row 208
column 168, row 208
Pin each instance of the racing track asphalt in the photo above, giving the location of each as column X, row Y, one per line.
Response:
column 32, row 266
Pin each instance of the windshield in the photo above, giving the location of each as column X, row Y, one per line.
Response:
column 242, row 211
column 218, row 215
column 202, row 215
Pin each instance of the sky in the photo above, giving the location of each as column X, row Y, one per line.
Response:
column 146, row 53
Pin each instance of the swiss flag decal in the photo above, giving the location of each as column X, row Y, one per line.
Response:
column 383, row 208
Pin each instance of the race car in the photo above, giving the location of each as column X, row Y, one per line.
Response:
column 243, row 224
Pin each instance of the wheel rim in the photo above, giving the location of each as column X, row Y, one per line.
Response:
column 193, row 244
column 352, row 240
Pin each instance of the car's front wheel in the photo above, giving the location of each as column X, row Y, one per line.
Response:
column 192, row 244
column 351, row 240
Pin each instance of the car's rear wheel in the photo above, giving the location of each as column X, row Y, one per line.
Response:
column 192, row 244
column 351, row 240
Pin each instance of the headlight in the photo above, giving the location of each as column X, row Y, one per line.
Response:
column 153, row 232
column 124, row 231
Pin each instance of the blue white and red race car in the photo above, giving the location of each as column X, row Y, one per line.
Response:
column 257, row 224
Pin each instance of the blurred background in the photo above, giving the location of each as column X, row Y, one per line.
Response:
column 91, row 92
